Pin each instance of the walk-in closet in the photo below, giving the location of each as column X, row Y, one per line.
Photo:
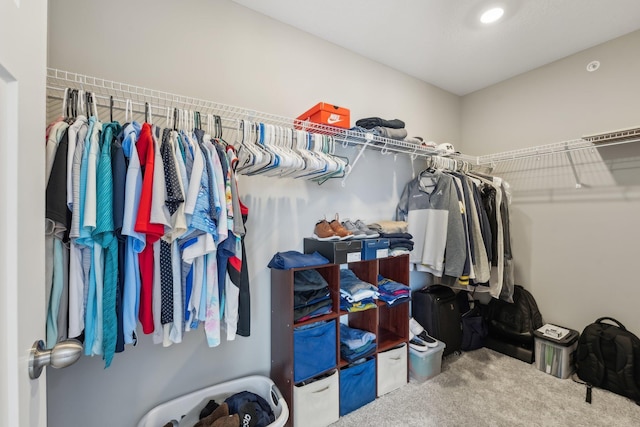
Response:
column 562, row 137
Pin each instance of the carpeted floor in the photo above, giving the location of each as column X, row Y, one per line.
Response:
column 486, row 388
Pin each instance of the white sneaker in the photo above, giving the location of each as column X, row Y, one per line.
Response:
column 419, row 332
column 417, row 344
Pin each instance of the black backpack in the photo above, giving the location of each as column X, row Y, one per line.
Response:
column 608, row 357
column 515, row 320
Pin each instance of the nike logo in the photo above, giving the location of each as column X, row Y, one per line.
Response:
column 334, row 118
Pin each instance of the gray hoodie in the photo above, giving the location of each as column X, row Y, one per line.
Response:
column 430, row 205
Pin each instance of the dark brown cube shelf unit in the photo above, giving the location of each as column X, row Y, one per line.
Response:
column 390, row 324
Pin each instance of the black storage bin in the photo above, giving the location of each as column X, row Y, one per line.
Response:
column 337, row 252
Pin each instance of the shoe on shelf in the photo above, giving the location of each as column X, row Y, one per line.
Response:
column 417, row 330
column 370, row 234
column 427, row 339
column 417, row 344
column 323, row 231
column 339, row 230
column 357, row 233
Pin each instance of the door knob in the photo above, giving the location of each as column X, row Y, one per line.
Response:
column 62, row 354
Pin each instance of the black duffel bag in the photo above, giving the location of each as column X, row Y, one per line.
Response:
column 608, row 357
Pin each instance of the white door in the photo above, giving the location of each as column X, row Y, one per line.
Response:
column 23, row 56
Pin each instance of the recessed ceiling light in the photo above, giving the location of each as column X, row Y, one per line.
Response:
column 492, row 15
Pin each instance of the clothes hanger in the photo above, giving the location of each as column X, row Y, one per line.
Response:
column 325, row 163
column 111, row 108
column 264, row 157
column 341, row 162
column 218, row 126
column 79, row 104
column 197, row 124
column 275, row 160
column 253, row 158
column 287, row 145
column 94, row 105
column 65, row 101
column 314, row 164
column 291, row 161
column 128, row 111
column 299, row 146
column 244, row 154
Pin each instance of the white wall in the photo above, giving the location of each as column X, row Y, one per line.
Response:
column 576, row 250
column 220, row 51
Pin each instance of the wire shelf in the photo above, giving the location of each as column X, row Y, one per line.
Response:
column 563, row 147
column 158, row 103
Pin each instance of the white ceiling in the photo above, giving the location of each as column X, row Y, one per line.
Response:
column 442, row 42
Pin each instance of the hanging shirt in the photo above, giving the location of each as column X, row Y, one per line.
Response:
column 58, row 222
column 135, row 240
column 493, row 202
column 219, row 192
column 481, row 262
column 194, row 190
column 153, row 231
column 176, row 328
column 87, row 223
column 53, row 139
column 77, row 252
column 119, row 170
column 212, row 317
column 104, row 235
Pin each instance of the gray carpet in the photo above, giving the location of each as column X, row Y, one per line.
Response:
column 486, row 388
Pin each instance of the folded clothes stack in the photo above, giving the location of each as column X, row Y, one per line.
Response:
column 389, row 226
column 294, row 259
column 356, row 343
column 391, row 292
column 311, row 297
column 356, row 294
column 400, row 241
column 393, row 129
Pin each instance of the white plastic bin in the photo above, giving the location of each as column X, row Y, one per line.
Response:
column 260, row 385
column 424, row 365
column 556, row 356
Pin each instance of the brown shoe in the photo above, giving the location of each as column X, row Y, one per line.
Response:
column 339, row 230
column 221, row 411
column 323, row 231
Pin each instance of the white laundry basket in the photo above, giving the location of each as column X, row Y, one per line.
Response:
column 260, row 385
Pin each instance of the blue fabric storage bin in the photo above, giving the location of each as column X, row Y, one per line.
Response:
column 357, row 386
column 314, row 350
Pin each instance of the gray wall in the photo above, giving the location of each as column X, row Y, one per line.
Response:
column 220, row 51
column 575, row 249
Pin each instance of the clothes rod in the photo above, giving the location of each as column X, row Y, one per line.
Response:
column 160, row 113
